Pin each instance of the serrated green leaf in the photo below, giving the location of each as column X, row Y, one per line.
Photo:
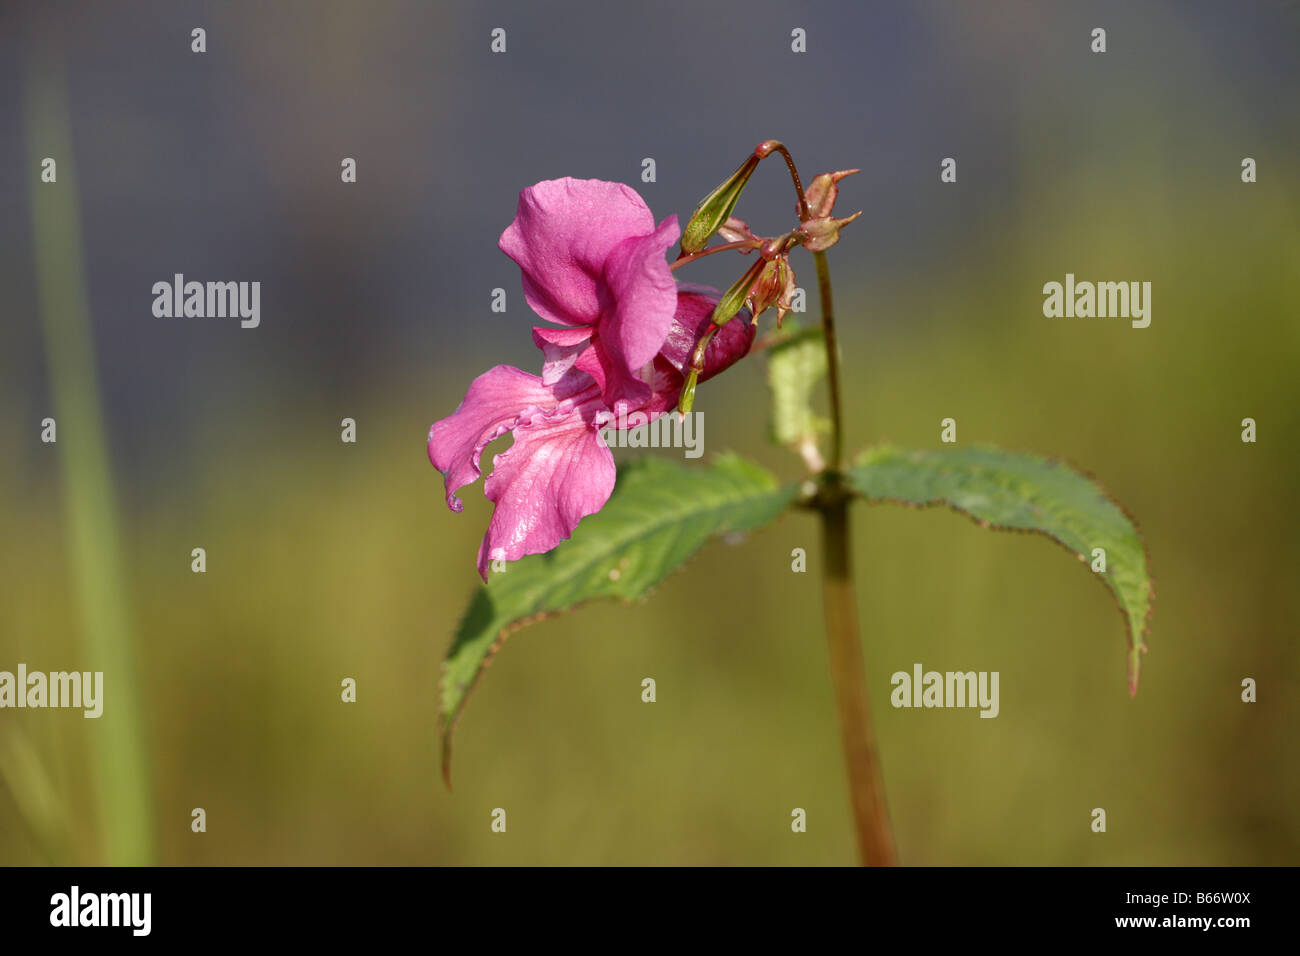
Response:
column 795, row 366
column 1001, row 489
column 660, row 514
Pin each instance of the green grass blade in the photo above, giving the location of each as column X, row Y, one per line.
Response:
column 120, row 774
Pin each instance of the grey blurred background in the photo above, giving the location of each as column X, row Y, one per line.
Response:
column 328, row 560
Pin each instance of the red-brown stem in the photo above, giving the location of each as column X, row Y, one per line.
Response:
column 723, row 247
column 848, row 672
column 832, row 362
column 794, row 175
column 875, row 838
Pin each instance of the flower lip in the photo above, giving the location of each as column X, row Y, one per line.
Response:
column 556, row 472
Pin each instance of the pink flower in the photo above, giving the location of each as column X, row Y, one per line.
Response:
column 559, row 470
column 593, row 262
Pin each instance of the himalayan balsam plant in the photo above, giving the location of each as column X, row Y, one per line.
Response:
column 627, row 343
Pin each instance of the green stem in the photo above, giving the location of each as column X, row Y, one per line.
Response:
column 848, row 673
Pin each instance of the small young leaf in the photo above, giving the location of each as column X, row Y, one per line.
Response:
column 795, row 366
column 1001, row 489
column 660, row 514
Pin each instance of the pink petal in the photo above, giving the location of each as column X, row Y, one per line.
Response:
column 496, row 402
column 560, row 348
column 729, row 345
column 666, row 390
column 641, row 298
column 563, row 232
column 556, row 473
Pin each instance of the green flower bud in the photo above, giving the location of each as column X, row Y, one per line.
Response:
column 733, row 300
column 715, row 208
column 687, row 401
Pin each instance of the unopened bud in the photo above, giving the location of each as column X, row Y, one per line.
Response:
column 818, row 235
column 822, row 193
column 770, row 286
column 687, row 400
column 733, row 300
column 715, row 208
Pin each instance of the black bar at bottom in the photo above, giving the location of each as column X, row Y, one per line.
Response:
column 213, row 905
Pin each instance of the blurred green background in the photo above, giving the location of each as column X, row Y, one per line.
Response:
column 328, row 560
